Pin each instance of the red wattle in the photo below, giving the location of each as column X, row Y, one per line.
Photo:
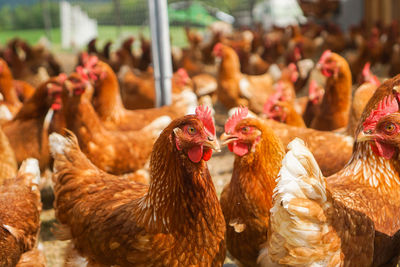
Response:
column 230, row 147
column 240, row 149
column 326, row 72
column 207, row 154
column 195, row 153
column 383, row 150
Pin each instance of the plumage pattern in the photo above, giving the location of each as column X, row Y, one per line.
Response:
column 308, row 225
column 19, row 219
column 247, row 199
column 175, row 221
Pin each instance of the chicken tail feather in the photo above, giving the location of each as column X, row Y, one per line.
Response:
column 300, row 214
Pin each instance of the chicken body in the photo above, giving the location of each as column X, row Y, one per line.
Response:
column 8, row 162
column 20, row 205
column 236, row 89
column 335, row 106
column 116, row 152
column 351, row 217
column 176, row 221
column 27, row 132
column 247, row 199
column 108, row 105
column 332, row 151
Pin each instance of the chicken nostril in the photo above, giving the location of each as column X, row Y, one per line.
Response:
column 210, row 138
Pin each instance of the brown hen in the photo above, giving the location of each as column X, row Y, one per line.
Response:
column 175, row 221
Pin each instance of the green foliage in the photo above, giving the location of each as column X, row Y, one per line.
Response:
column 28, row 16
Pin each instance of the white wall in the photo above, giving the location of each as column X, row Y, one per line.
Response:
column 77, row 29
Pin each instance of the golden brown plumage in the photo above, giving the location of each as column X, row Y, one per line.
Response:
column 27, row 132
column 332, row 151
column 236, row 89
column 32, row 258
column 176, row 221
column 8, row 162
column 107, row 102
column 7, row 89
column 247, row 199
column 352, row 217
column 116, row 152
column 360, row 99
column 335, row 106
column 20, row 209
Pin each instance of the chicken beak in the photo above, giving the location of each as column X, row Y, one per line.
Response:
column 212, row 143
column 363, row 137
column 227, row 138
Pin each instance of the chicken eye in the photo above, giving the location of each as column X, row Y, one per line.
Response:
column 245, row 129
column 390, row 127
column 191, row 130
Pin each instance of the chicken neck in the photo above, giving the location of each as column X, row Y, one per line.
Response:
column 253, row 178
column 181, row 194
column 107, row 98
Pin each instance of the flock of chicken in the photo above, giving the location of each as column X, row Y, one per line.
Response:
column 316, row 176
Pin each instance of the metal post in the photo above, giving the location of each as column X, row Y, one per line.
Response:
column 161, row 50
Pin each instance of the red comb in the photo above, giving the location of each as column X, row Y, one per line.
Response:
column 273, row 99
column 294, row 75
column 183, row 73
column 325, row 56
column 386, row 106
column 239, row 115
column 87, row 71
column 366, row 70
column 82, row 72
column 217, row 48
column 292, row 67
column 368, row 76
column 204, row 114
column 62, row 77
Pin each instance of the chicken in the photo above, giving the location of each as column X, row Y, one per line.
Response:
column 331, row 150
column 335, row 106
column 138, row 92
column 315, row 96
column 28, row 131
column 235, row 88
column 108, row 103
column 32, row 258
column 204, row 84
column 247, row 199
column 116, row 152
column 125, row 55
column 395, row 60
column 8, row 162
column 145, row 58
column 28, row 64
column 361, row 97
column 24, row 90
column 284, row 112
column 175, row 221
column 352, row 217
column 7, row 89
column 280, row 107
column 20, row 209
